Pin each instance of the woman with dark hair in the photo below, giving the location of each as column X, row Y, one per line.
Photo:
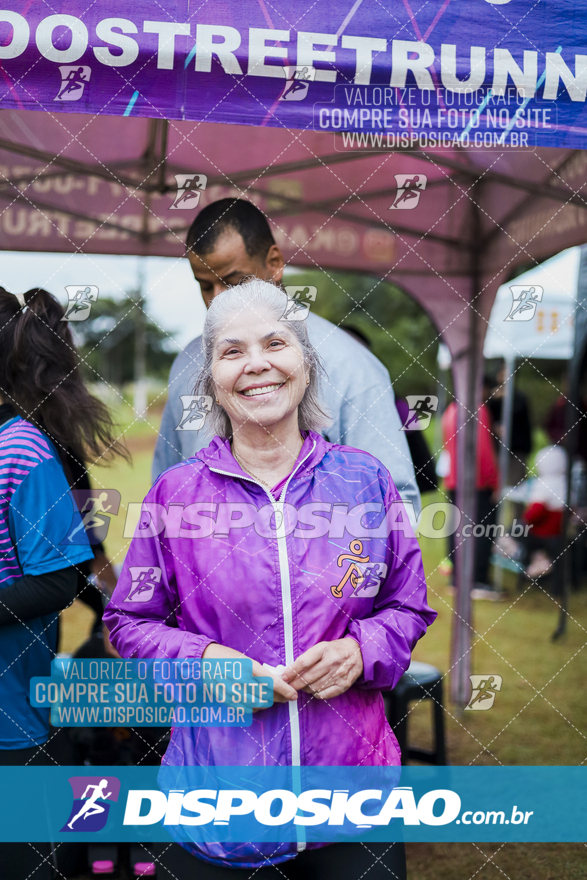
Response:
column 46, row 412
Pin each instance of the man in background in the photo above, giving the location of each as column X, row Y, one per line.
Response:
column 231, row 240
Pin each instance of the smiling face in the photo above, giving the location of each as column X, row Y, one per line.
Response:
column 258, row 371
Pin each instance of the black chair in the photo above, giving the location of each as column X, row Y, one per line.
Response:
column 421, row 682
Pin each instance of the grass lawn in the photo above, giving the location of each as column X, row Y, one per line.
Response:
column 539, row 717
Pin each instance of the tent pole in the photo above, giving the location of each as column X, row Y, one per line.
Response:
column 507, row 413
column 572, row 442
column 140, row 360
column 466, row 480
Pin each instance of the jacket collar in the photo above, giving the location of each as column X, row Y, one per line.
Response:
column 218, row 457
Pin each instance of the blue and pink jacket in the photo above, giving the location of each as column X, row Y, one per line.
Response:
column 328, row 553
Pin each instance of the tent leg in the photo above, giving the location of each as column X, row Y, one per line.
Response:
column 504, row 451
column 467, row 503
column 567, row 542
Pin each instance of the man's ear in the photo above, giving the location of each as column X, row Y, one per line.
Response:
column 274, row 264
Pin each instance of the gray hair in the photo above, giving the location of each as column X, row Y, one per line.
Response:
column 257, row 294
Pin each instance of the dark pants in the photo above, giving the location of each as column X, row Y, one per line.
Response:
column 339, row 861
column 485, row 515
column 19, row 861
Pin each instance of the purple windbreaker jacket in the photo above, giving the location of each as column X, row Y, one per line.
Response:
column 325, row 569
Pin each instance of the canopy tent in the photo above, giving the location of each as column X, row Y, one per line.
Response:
column 102, row 112
column 551, row 333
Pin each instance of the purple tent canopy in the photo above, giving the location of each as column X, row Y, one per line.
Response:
column 114, row 130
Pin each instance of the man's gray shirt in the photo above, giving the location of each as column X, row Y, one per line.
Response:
column 356, row 393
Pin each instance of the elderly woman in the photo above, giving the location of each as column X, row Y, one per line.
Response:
column 337, row 598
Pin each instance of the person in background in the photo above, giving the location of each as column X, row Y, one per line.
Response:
column 521, row 431
column 45, row 408
column 561, row 433
column 487, row 483
column 230, row 240
column 422, row 460
column 544, row 511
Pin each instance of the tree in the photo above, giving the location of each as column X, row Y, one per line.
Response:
column 106, row 342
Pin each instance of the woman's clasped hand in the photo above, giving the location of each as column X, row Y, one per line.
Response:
column 324, row 671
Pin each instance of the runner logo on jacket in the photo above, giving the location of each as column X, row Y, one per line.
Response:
column 365, row 577
column 144, row 580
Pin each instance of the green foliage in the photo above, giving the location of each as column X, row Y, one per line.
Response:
column 401, row 334
column 107, row 343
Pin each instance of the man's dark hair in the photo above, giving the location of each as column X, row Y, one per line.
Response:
column 238, row 214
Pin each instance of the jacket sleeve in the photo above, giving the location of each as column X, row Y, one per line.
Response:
column 142, row 615
column 401, row 613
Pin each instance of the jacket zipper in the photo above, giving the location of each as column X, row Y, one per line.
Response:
column 286, row 604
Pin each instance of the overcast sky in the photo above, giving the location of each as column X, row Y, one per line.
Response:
column 173, row 298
